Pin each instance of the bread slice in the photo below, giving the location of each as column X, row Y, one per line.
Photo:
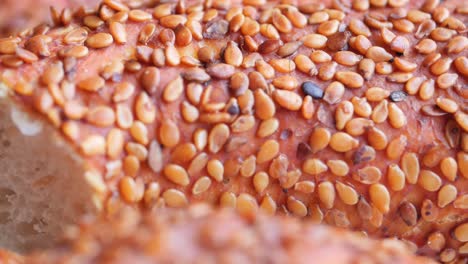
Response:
column 42, row 188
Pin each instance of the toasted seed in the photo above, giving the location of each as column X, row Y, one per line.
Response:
column 99, row 40
column 343, row 142
column 176, row 174
column 361, row 44
column 201, row 185
column 318, row 17
column 446, row 195
column 461, row 202
column 305, row 65
column 442, row 34
column 426, row 90
column 396, row 177
column 357, row 126
column 217, row 137
column 449, row 167
column 308, row 108
column 441, row 66
column 283, row 65
column 404, row 65
column 377, row 138
column 347, row 58
column 448, row 105
column 410, row 166
column 366, row 68
column 446, row 80
column 412, row 85
column 378, row 54
column 296, row 207
column 457, row 44
column 347, row 194
column 267, row 127
column 290, row 179
column 260, row 181
column 431, row 59
column 220, row 71
column 118, row 32
column 429, row 180
column 289, row 48
column 285, row 82
column 183, row 35
column 436, row 241
column 338, row 41
column 101, row 116
column 426, row 46
column 358, row 27
column 270, row 46
column 326, row 193
column 383, row 68
column 334, row 92
column 396, row 116
column 145, row 110
column 403, row 25
column 327, row 71
column 350, row 79
column 396, row 147
column 250, row 27
column 368, row 175
column 462, row 120
column 93, row 145
column 54, row 73
column 150, row 79
column 387, row 35
column 91, row 84
column 281, row 22
column 314, row 166
column 400, row 45
column 408, row 213
column 380, row 197
column 268, row 151
column 329, row 27
column 399, row 77
column 305, row 186
column 233, row 55
column 320, row 56
column 380, row 112
column 344, row 113
column 453, row 134
column 376, row 94
column 314, row 41
column 247, row 206
column 228, row 199
column 287, row 99
column 175, row 198
column 461, row 64
column 264, row 106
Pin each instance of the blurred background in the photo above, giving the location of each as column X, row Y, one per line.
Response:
column 17, row 15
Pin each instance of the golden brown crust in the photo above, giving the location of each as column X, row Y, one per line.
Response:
column 183, row 113
column 200, row 235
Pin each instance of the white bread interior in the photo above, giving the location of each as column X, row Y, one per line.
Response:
column 42, row 187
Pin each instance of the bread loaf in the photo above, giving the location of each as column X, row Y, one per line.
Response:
column 349, row 114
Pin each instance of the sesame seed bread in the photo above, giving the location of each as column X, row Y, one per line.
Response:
column 200, row 235
column 350, row 115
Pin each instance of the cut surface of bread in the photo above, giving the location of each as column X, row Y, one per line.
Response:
column 42, row 188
